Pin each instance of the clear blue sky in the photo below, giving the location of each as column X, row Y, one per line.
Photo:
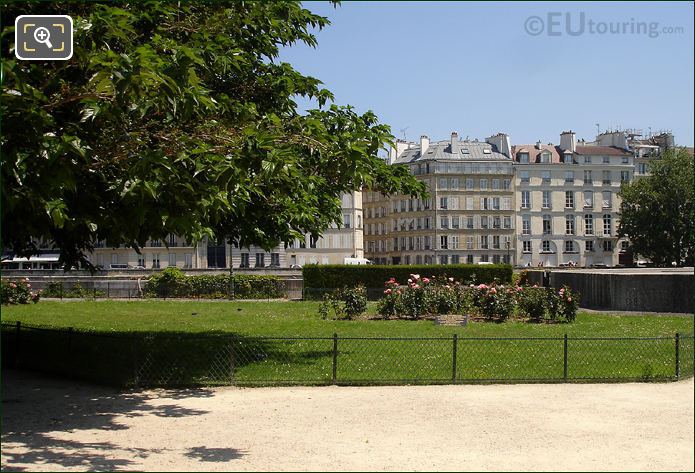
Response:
column 436, row 67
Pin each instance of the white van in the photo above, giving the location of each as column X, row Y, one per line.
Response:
column 118, row 266
column 356, row 261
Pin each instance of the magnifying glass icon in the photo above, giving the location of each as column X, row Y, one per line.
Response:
column 42, row 35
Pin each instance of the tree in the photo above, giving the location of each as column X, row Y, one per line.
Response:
column 175, row 117
column 656, row 212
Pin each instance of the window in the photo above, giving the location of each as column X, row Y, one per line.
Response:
column 547, row 225
column 484, row 242
column 546, row 176
column 625, row 160
column 606, row 160
column 495, row 203
column 454, row 183
column 588, row 224
column 444, row 222
column 496, row 242
column 545, row 158
column 507, row 184
column 427, row 242
column 569, row 246
column 624, row 176
column 588, row 199
column 244, row 260
column 587, row 177
column 469, row 203
column 569, row 224
column 483, row 184
column 469, row 223
column 546, row 200
column 568, row 158
column 404, row 205
column 607, row 224
column 587, row 159
column 642, row 168
column 484, row 258
column 141, row 260
column 526, row 246
column 507, row 222
column 172, row 259
column 523, row 175
column 427, row 223
column 275, row 259
column 607, row 245
column 455, row 222
column 569, row 176
column 506, row 203
column 346, row 220
column 569, row 199
column 469, row 184
column 443, row 259
column 483, row 221
column 526, row 225
column 469, row 259
column 418, row 259
column 156, row 243
column 484, row 203
column 589, row 246
column 172, row 239
column 260, row 260
column 496, row 222
column 607, row 197
column 155, row 260
column 496, row 259
column 624, row 245
column 442, row 183
column 495, row 184
column 444, row 242
column 523, row 158
column 443, row 201
column 525, row 199
column 545, row 246
column 312, row 241
column 454, row 243
column 606, row 178
column 469, row 243
column 188, row 260
column 455, row 259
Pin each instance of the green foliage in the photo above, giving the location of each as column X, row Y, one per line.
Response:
column 494, row 302
column 568, row 304
column 172, row 282
column 17, row 292
column 657, row 210
column 373, row 276
column 424, row 296
column 178, row 117
column 532, row 302
column 344, row 304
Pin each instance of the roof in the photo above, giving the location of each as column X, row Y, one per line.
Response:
column 534, row 154
column 441, row 150
column 603, row 150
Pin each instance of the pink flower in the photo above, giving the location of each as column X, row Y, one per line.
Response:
column 535, row 285
column 451, row 279
column 425, row 280
column 28, row 285
column 416, row 286
column 415, row 276
column 13, row 285
column 569, row 299
column 447, row 286
column 387, row 291
column 410, row 280
column 398, row 291
column 518, row 288
column 472, row 285
column 482, row 286
column 493, row 290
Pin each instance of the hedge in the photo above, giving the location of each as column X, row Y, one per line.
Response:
column 327, row 276
column 173, row 283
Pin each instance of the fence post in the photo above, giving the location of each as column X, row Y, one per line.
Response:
column 564, row 367
column 16, row 345
column 335, row 357
column 61, row 289
column 108, row 289
column 453, row 359
column 678, row 365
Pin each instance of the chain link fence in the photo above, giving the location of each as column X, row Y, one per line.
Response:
column 185, row 359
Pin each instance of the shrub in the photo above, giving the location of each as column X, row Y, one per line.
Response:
column 389, row 305
column 567, row 303
column 344, row 304
column 18, row 292
column 532, row 301
column 493, row 301
column 172, row 282
column 373, row 276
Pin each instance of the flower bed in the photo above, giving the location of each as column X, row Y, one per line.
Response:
column 18, row 292
column 425, row 297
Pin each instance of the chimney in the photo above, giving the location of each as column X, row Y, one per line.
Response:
column 502, row 143
column 568, row 141
column 424, row 144
column 454, row 143
column 538, row 144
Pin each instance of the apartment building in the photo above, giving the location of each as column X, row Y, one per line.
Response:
column 469, row 217
column 644, row 148
column 567, row 202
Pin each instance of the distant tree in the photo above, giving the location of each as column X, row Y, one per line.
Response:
column 656, row 212
column 176, row 117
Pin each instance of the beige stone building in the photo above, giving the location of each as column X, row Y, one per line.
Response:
column 567, row 202
column 469, row 217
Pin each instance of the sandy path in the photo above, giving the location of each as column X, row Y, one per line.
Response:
column 55, row 425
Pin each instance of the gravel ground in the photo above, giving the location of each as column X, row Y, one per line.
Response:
column 56, row 425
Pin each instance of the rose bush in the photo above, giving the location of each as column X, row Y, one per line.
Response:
column 18, row 292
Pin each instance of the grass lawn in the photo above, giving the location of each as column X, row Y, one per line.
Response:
column 219, row 345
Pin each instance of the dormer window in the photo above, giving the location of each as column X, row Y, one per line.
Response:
column 523, row 158
column 545, row 158
column 464, row 151
column 487, row 151
column 568, row 158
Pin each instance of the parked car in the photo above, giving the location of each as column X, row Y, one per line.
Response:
column 295, row 266
column 118, row 266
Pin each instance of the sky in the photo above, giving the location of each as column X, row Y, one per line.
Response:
column 531, row 70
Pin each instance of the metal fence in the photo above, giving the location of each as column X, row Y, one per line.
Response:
column 185, row 359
